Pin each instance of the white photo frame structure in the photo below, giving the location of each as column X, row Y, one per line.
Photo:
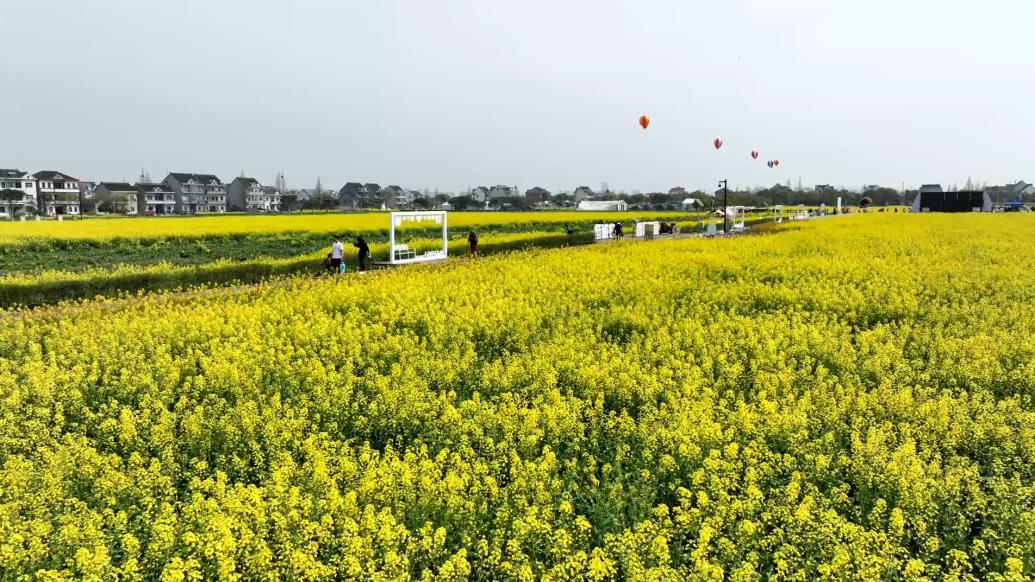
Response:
column 402, row 254
column 739, row 218
column 648, row 229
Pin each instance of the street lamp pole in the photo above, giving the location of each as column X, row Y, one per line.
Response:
column 725, row 212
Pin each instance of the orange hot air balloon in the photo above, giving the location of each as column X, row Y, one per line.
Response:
column 718, row 143
column 754, row 154
column 644, row 121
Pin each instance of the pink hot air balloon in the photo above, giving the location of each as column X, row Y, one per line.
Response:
column 718, row 143
column 776, row 162
column 754, row 154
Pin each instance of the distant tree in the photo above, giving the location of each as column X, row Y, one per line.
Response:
column 462, row 202
column 515, row 203
column 9, row 195
column 563, row 199
column 289, row 201
column 423, row 203
column 884, row 196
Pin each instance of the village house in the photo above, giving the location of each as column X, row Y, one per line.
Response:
column 1010, row 192
column 154, row 199
column 583, row 193
column 197, row 192
column 501, row 191
column 115, row 197
column 351, row 195
column 249, row 195
column 394, row 196
column 57, row 194
column 20, row 195
column 537, row 194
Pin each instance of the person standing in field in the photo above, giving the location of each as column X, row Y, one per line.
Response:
column 364, row 252
column 617, row 232
column 337, row 251
column 472, row 241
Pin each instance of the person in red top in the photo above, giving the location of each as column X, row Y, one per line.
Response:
column 472, row 241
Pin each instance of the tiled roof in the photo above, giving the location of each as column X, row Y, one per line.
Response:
column 117, row 186
column 52, row 175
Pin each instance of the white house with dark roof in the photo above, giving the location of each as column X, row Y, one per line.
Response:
column 117, row 197
column 249, row 195
column 197, row 192
column 155, row 199
column 17, row 181
column 272, row 195
column 479, row 193
column 57, row 193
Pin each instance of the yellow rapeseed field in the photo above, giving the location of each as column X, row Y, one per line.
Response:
column 153, row 227
column 841, row 399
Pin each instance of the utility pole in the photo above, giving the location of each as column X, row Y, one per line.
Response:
column 725, row 212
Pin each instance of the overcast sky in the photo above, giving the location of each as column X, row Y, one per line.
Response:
column 451, row 94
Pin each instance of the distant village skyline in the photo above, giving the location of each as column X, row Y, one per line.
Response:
column 283, row 181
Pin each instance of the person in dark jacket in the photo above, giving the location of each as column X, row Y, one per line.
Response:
column 617, row 232
column 364, row 252
column 472, row 241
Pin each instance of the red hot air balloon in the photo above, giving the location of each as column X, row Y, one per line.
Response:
column 644, row 121
column 754, row 154
column 770, row 162
column 718, row 143
column 776, row 162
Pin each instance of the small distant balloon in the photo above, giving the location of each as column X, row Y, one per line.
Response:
column 754, row 154
column 644, row 121
column 776, row 162
column 770, row 162
column 718, row 143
